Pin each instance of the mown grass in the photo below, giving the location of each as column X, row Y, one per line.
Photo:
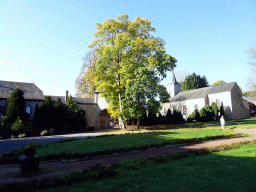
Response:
column 231, row 170
column 127, row 140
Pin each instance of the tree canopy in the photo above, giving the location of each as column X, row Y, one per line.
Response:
column 194, row 82
column 131, row 63
column 85, row 85
column 15, row 106
column 218, row 82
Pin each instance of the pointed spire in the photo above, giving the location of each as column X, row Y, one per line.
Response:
column 173, row 79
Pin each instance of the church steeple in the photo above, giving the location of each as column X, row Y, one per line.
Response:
column 173, row 87
column 173, row 79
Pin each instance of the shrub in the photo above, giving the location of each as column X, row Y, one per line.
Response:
column 22, row 135
column 17, row 127
column 32, row 145
column 222, row 109
column 194, row 116
column 215, row 110
column 51, row 131
column 28, row 129
column 5, row 129
column 44, row 132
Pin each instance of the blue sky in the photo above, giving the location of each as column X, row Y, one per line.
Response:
column 44, row 41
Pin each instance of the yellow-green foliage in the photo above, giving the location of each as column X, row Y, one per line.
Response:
column 32, row 145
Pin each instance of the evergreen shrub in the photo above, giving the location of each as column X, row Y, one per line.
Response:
column 17, row 127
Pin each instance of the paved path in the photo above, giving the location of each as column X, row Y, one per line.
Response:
column 7, row 145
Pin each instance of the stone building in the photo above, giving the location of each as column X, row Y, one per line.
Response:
column 230, row 94
column 95, row 108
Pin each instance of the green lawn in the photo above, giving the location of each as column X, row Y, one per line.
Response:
column 128, row 140
column 232, row 170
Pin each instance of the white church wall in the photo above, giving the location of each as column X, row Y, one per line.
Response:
column 191, row 105
column 224, row 97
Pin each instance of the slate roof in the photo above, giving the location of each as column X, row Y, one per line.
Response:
column 31, row 91
column 202, row 92
column 79, row 100
column 249, row 99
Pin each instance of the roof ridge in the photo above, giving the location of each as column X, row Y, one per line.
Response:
column 17, row 82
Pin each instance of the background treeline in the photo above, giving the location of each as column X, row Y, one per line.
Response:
column 152, row 119
column 49, row 118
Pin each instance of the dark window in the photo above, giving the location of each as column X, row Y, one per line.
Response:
column 1, row 109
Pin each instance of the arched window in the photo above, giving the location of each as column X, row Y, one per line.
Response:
column 28, row 109
column 184, row 110
column 218, row 103
column 196, row 107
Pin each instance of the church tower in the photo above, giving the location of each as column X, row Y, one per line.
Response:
column 173, row 87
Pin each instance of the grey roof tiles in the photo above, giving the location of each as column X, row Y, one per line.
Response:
column 202, row 92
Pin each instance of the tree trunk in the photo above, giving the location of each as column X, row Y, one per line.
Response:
column 138, row 123
column 121, row 123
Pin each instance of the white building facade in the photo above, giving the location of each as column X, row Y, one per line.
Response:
column 187, row 101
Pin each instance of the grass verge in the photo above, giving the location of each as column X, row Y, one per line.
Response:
column 116, row 144
column 222, row 168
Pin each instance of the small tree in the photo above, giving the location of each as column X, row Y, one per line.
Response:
column 222, row 109
column 215, row 109
column 169, row 117
column 60, row 116
column 15, row 106
column 71, row 104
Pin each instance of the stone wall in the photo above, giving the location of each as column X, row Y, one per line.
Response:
column 238, row 109
column 30, row 103
column 90, row 114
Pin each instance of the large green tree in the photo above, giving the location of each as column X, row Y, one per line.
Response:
column 194, row 82
column 130, row 66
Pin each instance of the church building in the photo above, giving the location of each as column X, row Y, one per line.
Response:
column 230, row 94
column 96, row 113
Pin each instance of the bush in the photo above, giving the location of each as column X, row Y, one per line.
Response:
column 22, row 135
column 32, row 145
column 206, row 114
column 194, row 116
column 17, row 127
column 51, row 131
column 5, row 128
column 44, row 132
column 28, row 129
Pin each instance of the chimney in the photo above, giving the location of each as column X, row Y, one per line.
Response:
column 96, row 96
column 66, row 95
